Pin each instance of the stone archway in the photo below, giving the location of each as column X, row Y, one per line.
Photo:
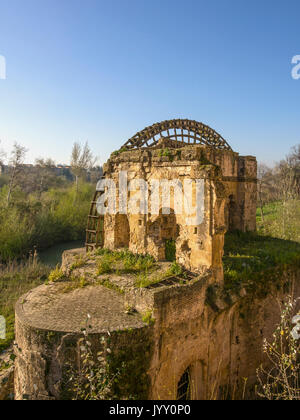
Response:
column 164, row 232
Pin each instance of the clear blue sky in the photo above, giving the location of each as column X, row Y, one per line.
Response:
column 101, row 70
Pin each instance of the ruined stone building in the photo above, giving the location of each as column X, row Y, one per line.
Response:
column 169, row 336
column 180, row 150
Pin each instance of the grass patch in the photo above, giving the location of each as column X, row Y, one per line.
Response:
column 79, row 262
column 144, row 279
column 123, row 262
column 110, row 285
column 76, row 283
column 15, row 280
column 142, row 266
column 249, row 258
column 281, row 220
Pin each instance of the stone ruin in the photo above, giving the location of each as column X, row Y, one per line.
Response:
column 178, row 338
column 179, row 150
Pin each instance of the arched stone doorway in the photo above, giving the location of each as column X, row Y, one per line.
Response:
column 164, row 231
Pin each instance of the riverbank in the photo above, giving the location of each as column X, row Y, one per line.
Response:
column 52, row 256
column 39, row 222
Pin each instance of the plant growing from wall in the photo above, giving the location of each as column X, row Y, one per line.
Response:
column 147, row 317
column 166, row 153
column 56, row 275
column 117, row 152
column 93, row 379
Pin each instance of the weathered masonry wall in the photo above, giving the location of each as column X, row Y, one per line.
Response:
column 219, row 338
column 220, row 346
column 48, row 358
column 229, row 203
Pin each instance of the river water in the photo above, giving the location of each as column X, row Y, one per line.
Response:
column 52, row 255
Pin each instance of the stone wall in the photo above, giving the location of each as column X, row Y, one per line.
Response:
column 215, row 333
column 220, row 342
column 229, row 203
column 46, row 359
column 6, row 375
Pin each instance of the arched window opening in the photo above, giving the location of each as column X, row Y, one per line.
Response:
column 184, row 386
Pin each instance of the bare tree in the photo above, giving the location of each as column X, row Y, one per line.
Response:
column 289, row 175
column 262, row 171
column 82, row 160
column 44, row 167
column 295, row 161
column 16, row 160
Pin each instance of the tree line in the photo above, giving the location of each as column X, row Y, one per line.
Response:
column 38, row 207
column 279, row 197
column 41, row 176
column 280, row 183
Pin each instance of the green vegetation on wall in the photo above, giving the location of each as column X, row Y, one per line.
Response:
column 170, row 250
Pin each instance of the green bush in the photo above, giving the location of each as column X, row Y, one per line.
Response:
column 59, row 215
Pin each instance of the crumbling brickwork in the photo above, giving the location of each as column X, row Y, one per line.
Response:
column 229, row 202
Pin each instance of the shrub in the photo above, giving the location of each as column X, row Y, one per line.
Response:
column 93, row 379
column 59, row 215
column 281, row 380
